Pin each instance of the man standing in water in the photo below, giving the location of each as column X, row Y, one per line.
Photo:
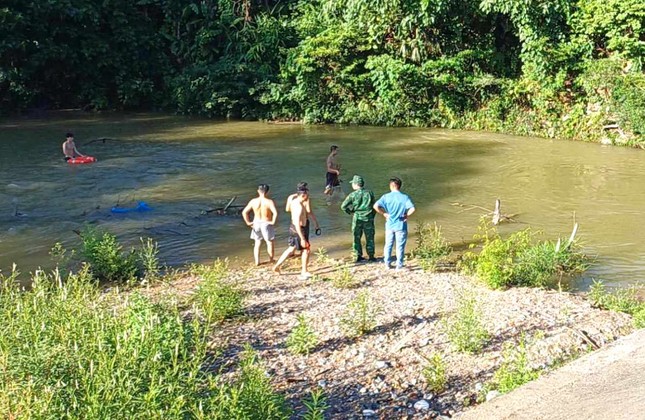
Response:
column 396, row 207
column 264, row 217
column 298, row 234
column 333, row 171
column 69, row 147
column 360, row 203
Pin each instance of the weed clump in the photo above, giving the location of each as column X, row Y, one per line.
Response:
column 316, row 405
column 360, row 315
column 105, row 255
column 514, row 370
column 622, row 300
column 217, row 298
column 432, row 248
column 344, row 279
column 303, row 338
column 435, row 373
column 464, row 327
column 521, row 261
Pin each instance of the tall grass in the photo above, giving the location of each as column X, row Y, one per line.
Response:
column 217, row 297
column 621, row 300
column 464, row 327
column 70, row 350
column 432, row 248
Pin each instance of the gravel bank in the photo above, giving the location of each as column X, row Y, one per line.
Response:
column 379, row 375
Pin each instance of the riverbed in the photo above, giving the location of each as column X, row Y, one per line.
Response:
column 182, row 167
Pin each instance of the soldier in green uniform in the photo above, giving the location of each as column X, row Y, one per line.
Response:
column 360, row 203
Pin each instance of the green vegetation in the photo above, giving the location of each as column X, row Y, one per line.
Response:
column 621, row 300
column 149, row 260
column 217, row 297
column 70, row 350
column 344, row 279
column 464, row 327
column 360, row 316
column 316, row 405
column 432, row 248
column 435, row 373
column 106, row 258
column 515, row 369
column 303, row 338
column 557, row 69
column 520, row 260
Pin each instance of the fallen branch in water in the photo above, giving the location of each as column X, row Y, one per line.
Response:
column 496, row 214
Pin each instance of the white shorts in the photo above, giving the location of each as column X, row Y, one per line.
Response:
column 262, row 230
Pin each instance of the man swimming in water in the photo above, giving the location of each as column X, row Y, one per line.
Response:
column 298, row 234
column 69, row 148
column 264, row 217
column 333, row 171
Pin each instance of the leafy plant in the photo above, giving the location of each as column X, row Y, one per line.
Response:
column 432, row 247
column 464, row 327
column 360, row 316
column 514, row 370
column 105, row 255
column 344, row 278
column 620, row 300
column 322, row 256
column 435, row 373
column 148, row 258
column 316, row 405
column 303, row 338
column 216, row 296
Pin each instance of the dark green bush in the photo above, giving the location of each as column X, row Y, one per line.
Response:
column 105, row 255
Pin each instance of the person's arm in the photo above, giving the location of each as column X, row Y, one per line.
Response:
column 345, row 206
column 311, row 214
column 64, row 151
column 274, row 212
column 381, row 210
column 77, row 152
column 409, row 212
column 245, row 213
column 287, row 208
column 409, row 206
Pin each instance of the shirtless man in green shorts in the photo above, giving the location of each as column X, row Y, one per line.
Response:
column 264, row 217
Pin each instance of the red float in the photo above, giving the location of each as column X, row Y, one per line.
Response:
column 81, row 160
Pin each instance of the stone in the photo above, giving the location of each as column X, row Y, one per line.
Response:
column 492, row 394
column 422, row 405
column 381, row 364
column 479, row 386
column 369, row 413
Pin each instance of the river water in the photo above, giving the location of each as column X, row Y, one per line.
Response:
column 183, row 166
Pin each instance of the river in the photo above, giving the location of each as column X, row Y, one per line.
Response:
column 183, row 166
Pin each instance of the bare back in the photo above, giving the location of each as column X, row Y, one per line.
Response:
column 263, row 209
column 332, row 162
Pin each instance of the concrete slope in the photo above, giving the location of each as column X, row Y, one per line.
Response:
column 606, row 384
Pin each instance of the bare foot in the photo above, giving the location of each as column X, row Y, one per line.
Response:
column 276, row 269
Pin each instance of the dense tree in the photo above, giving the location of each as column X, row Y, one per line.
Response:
column 556, row 68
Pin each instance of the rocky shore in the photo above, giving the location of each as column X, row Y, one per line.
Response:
column 379, row 374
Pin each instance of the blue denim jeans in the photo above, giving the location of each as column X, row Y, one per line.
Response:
column 401, row 237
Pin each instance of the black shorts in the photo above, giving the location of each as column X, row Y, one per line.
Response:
column 67, row 158
column 294, row 239
column 332, row 180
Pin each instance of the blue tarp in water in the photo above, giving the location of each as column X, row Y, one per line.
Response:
column 141, row 206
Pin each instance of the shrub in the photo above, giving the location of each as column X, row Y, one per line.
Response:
column 216, row 297
column 303, row 338
column 435, row 373
column 360, row 315
column 464, row 327
column 344, row 279
column 148, row 259
column 322, row 256
column 520, row 261
column 515, row 370
column 106, row 258
column 432, row 247
column 316, row 405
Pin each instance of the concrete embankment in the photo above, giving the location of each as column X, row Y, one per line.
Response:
column 606, row 384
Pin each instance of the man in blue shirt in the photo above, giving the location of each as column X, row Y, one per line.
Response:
column 396, row 207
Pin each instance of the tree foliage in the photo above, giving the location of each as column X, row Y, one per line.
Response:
column 523, row 66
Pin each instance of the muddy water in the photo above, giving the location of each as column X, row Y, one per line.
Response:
column 182, row 166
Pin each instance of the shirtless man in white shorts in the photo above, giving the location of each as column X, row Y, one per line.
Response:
column 262, row 226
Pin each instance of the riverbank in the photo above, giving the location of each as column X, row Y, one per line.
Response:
column 381, row 373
